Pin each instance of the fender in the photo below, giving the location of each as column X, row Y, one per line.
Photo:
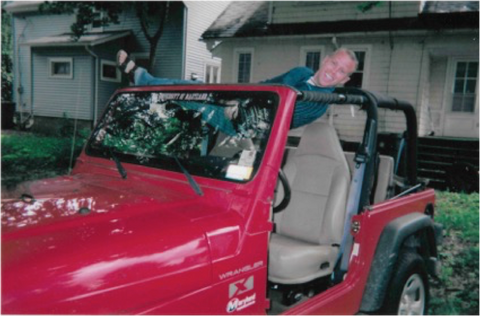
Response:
column 386, row 254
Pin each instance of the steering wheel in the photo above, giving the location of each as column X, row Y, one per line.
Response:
column 287, row 192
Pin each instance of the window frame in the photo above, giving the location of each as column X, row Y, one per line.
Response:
column 118, row 77
column 452, row 78
column 236, row 64
column 53, row 60
column 304, row 50
column 98, row 28
column 214, row 64
column 366, row 63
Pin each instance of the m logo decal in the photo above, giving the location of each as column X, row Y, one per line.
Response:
column 240, row 287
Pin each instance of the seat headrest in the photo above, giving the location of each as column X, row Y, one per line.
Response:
column 319, row 138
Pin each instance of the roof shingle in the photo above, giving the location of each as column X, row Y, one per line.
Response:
column 250, row 19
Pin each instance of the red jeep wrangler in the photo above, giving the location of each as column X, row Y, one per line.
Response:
column 174, row 208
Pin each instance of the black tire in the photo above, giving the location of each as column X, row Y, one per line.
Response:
column 408, row 291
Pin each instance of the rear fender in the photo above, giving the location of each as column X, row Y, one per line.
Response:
column 412, row 230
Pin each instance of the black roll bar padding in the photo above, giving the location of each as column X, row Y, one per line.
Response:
column 368, row 147
column 329, row 98
column 386, row 102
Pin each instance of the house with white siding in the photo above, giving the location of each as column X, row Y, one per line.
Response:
column 56, row 77
column 422, row 52
column 425, row 53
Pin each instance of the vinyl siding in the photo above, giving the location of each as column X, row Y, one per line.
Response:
column 33, row 62
column 56, row 97
column 31, row 27
column 168, row 61
column 324, row 11
column 402, row 73
column 201, row 14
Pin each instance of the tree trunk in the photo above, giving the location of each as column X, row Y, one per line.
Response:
column 153, row 40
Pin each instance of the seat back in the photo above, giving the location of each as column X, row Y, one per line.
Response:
column 319, row 178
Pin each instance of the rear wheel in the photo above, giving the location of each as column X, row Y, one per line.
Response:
column 408, row 290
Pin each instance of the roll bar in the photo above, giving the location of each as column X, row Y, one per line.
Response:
column 369, row 102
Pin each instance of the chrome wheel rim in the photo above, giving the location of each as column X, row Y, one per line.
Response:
column 412, row 300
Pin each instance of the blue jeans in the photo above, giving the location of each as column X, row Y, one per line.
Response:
column 143, row 78
column 212, row 114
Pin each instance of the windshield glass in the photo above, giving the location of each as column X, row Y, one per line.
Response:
column 219, row 134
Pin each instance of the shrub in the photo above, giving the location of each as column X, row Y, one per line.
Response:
column 29, row 156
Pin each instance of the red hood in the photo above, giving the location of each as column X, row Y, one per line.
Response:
column 60, row 199
column 52, row 255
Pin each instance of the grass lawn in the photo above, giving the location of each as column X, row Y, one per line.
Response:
column 456, row 293
column 28, row 157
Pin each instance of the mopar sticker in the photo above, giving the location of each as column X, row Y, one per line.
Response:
column 236, row 292
column 237, row 304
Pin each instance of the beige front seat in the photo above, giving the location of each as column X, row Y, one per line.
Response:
column 308, row 232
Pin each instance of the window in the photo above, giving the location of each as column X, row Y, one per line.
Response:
column 311, row 56
column 313, row 60
column 465, row 86
column 212, row 73
column 109, row 71
column 61, row 68
column 244, row 62
column 97, row 25
column 358, row 77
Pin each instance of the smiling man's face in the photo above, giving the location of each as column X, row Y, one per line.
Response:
column 335, row 70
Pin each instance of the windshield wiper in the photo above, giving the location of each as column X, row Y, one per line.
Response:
column 120, row 168
column 191, row 180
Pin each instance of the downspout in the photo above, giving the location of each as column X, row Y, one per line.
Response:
column 184, row 42
column 270, row 13
column 419, row 97
column 95, row 86
column 19, row 91
column 16, row 62
column 392, row 45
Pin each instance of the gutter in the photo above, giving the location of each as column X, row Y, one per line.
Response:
column 95, row 102
column 343, row 35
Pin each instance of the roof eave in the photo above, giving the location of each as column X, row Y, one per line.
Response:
column 22, row 7
column 437, row 21
column 79, row 43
